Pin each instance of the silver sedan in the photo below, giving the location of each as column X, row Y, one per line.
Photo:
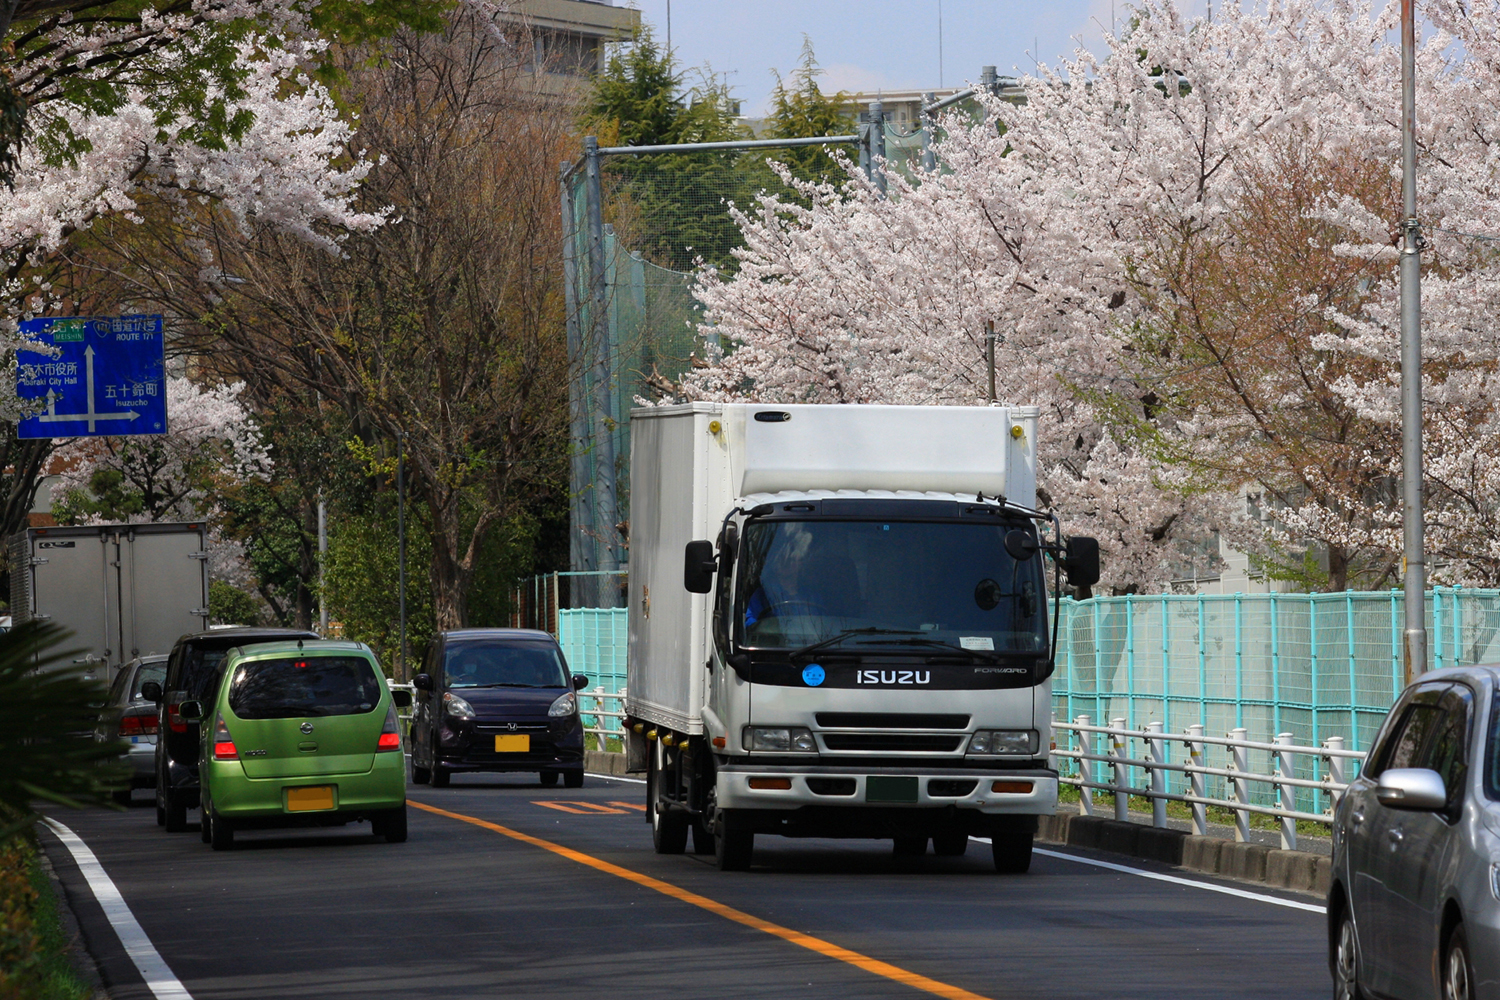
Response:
column 1414, row 902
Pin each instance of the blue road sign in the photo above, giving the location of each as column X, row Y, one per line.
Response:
column 107, row 378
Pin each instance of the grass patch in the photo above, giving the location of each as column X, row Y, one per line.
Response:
column 33, row 948
column 612, row 744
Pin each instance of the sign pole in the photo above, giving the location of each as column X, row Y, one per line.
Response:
column 1413, row 562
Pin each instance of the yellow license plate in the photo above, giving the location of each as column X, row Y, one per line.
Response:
column 308, row 799
column 512, row 744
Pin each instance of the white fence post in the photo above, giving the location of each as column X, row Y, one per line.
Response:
column 1085, row 767
column 1122, row 784
column 1195, row 780
column 1286, row 795
column 1241, row 785
column 1158, row 748
column 1335, row 770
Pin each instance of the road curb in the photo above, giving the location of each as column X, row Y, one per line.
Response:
column 601, row 762
column 1299, row 871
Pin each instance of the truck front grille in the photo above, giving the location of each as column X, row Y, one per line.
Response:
column 892, row 742
column 890, row 720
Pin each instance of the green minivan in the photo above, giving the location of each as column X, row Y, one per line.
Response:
column 301, row 734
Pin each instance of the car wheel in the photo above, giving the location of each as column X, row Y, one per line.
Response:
column 1344, row 960
column 220, row 833
column 950, row 845
column 419, row 775
column 735, row 844
column 909, row 847
column 572, row 779
column 1458, row 972
column 549, row 778
column 176, row 809
column 391, row 826
column 1010, row 843
column 161, row 815
column 120, row 797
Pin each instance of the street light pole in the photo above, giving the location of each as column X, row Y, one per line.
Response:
column 1413, row 564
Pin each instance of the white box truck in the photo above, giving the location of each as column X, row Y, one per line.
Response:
column 124, row 590
column 839, row 627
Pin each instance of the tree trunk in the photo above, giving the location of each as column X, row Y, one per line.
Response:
column 1338, row 568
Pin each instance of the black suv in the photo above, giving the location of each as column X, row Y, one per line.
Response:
column 496, row 699
column 193, row 673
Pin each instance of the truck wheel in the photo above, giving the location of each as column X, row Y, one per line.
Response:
column 1010, row 842
column 176, row 812
column 703, row 840
column 910, row 847
column 950, row 845
column 734, row 845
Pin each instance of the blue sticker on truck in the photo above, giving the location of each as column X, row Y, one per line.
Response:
column 812, row 675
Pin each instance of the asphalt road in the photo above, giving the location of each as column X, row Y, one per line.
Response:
column 567, row 899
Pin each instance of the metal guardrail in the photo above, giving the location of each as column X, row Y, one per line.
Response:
column 1090, row 745
column 602, row 729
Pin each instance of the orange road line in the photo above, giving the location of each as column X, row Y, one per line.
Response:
column 825, row 948
column 580, row 807
column 630, row 805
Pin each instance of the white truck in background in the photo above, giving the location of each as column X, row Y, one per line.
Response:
column 839, row 627
column 123, row 590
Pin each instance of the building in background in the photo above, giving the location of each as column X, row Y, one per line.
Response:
column 568, row 38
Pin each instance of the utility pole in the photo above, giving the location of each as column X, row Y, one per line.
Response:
column 606, row 538
column 1414, row 576
column 402, row 671
column 989, row 353
column 322, row 566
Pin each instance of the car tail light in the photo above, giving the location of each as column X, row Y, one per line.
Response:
column 174, row 721
column 223, row 743
column 390, row 733
column 138, row 725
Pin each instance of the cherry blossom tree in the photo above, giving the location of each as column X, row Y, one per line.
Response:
column 1082, row 229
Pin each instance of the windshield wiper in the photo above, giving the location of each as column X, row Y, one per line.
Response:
column 824, row 643
column 977, row 654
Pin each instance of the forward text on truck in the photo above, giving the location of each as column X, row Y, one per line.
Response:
column 839, row 626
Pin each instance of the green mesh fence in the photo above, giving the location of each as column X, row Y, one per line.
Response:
column 1313, row 665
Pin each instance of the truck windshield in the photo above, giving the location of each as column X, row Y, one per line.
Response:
column 804, row 581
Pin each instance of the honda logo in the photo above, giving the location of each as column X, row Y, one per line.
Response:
column 512, row 726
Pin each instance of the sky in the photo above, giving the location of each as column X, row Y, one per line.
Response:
column 876, row 44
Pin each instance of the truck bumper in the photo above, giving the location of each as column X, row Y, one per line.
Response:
column 990, row 792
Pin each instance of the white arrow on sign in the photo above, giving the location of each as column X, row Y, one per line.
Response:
column 52, row 416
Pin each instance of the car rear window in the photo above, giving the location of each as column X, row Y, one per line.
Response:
column 149, row 672
column 303, row 687
column 200, row 670
column 488, row 664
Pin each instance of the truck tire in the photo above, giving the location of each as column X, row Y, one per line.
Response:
column 950, row 845
column 1010, row 842
column 735, row 843
column 703, row 840
column 909, row 847
column 669, row 830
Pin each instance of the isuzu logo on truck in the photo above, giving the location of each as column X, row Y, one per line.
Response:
column 892, row 676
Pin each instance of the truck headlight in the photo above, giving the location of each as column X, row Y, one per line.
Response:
column 779, row 739
column 1014, row 742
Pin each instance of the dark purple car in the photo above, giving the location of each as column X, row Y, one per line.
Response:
column 496, row 699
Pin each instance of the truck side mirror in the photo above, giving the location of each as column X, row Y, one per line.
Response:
column 1082, row 561
column 698, row 567
column 422, row 682
column 151, row 691
column 1021, row 545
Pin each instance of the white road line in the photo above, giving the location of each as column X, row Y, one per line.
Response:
column 1157, row 876
column 137, row 945
column 616, row 777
